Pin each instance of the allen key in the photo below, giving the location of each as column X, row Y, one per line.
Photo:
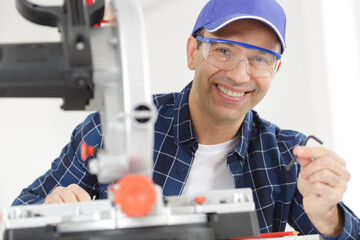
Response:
column 292, row 162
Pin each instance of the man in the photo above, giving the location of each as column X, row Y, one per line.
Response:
column 208, row 137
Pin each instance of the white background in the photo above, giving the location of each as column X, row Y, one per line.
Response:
column 316, row 91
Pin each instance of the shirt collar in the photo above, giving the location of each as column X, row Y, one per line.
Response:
column 245, row 134
column 183, row 131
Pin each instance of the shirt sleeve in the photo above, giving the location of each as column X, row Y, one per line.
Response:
column 68, row 168
column 351, row 228
column 298, row 220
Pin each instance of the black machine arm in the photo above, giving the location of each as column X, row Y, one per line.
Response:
column 61, row 69
column 54, row 16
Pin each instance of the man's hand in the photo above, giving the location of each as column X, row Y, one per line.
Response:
column 322, row 183
column 71, row 193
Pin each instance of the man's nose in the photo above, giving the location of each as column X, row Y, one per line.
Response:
column 241, row 72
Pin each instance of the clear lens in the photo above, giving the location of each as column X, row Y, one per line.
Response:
column 227, row 56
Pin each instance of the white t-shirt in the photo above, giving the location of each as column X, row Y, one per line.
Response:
column 209, row 170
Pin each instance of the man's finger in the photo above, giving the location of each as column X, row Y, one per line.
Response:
column 72, row 193
column 53, row 198
column 326, row 192
column 328, row 177
column 325, row 163
column 317, row 152
column 80, row 194
column 303, row 162
column 68, row 196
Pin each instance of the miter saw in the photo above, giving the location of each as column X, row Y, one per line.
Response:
column 105, row 69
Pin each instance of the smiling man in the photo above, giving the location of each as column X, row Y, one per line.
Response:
column 230, row 79
column 207, row 136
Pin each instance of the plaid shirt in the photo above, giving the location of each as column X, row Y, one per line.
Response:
column 259, row 162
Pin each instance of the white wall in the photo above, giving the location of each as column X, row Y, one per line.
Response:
column 342, row 33
column 293, row 101
column 34, row 131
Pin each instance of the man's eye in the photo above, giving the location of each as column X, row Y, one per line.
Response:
column 223, row 51
column 259, row 60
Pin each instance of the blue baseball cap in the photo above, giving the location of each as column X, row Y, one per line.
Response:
column 218, row 13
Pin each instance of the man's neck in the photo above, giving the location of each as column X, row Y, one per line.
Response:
column 210, row 135
column 209, row 130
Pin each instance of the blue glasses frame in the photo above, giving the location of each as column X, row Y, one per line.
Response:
column 215, row 40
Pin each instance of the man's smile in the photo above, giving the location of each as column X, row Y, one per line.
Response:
column 229, row 92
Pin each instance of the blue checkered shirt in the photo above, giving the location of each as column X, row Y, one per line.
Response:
column 259, row 162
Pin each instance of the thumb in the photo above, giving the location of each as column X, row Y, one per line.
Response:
column 303, row 162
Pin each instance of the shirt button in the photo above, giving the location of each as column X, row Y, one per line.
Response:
column 180, row 170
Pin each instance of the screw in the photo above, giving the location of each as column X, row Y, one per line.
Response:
column 113, row 42
column 80, row 45
column 81, row 82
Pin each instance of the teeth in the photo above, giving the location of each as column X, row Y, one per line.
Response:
column 229, row 92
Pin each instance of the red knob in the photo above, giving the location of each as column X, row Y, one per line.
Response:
column 135, row 195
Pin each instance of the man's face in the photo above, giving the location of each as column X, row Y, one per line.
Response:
column 209, row 95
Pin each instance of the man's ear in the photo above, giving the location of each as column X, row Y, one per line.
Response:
column 191, row 52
